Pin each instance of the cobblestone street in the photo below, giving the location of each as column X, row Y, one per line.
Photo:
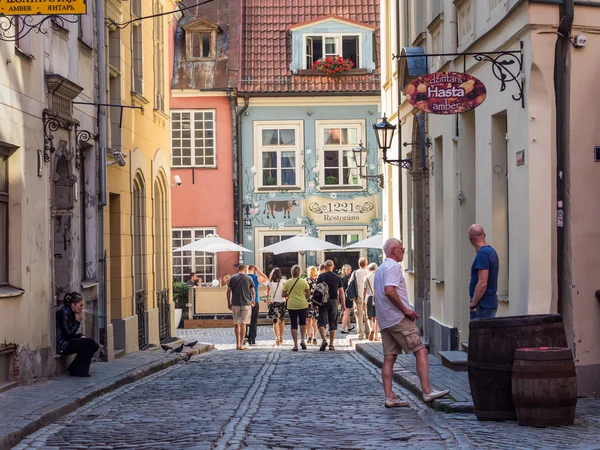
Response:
column 270, row 397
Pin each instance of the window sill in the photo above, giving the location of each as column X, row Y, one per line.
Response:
column 335, row 188
column 503, row 298
column 278, row 188
column 318, row 73
column 87, row 284
column 409, row 271
column 437, row 280
column 8, row 291
column 85, row 46
column 25, row 56
column 194, row 167
column 136, row 96
column 161, row 113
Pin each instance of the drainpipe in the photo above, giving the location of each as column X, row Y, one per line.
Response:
column 102, row 142
column 563, row 103
column 399, row 135
column 238, row 210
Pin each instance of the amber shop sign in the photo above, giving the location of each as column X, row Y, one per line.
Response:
column 44, row 7
column 445, row 93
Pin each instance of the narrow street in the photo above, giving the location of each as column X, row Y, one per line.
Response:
column 270, row 397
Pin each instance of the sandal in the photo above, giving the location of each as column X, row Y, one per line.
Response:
column 295, row 349
column 331, row 348
column 303, row 345
column 314, row 341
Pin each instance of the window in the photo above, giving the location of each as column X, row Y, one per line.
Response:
column 285, row 261
column 159, row 57
column 184, row 262
column 336, row 141
column 139, row 234
column 193, row 138
column 278, row 147
column 86, row 26
column 342, row 237
column 464, row 14
column 3, row 217
column 24, row 44
column 317, row 47
column 137, row 61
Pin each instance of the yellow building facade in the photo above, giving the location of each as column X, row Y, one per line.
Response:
column 137, row 214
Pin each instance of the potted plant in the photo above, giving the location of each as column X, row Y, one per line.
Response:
column 333, row 65
column 270, row 181
column 180, row 298
column 330, row 179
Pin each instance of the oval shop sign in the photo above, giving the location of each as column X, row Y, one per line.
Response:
column 445, row 93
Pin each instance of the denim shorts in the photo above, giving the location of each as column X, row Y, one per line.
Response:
column 483, row 313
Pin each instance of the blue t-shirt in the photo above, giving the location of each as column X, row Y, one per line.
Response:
column 255, row 279
column 486, row 259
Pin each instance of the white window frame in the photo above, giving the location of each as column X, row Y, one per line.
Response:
column 464, row 17
column 320, row 125
column 261, row 232
column 159, row 57
column 298, row 126
column 338, row 43
column 197, row 233
column 361, row 230
column 193, row 138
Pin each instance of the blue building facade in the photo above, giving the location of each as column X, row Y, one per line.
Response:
column 298, row 135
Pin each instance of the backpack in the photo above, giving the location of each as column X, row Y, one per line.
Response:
column 352, row 291
column 321, row 294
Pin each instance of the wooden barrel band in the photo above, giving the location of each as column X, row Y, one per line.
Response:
column 490, row 366
column 543, row 375
column 566, row 367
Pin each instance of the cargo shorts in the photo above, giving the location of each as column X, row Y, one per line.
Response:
column 401, row 337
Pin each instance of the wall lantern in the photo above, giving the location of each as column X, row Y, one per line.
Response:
column 360, row 155
column 384, row 131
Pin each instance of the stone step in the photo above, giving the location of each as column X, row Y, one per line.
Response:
column 455, row 360
column 119, row 353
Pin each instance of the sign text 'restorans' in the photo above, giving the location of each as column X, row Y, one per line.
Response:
column 445, row 93
column 43, row 7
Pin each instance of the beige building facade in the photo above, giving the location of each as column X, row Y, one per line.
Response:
column 498, row 165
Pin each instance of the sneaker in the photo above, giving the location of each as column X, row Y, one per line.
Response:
column 394, row 403
column 434, row 394
column 315, row 341
column 323, row 346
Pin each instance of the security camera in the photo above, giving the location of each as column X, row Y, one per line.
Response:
column 119, row 157
column 177, row 179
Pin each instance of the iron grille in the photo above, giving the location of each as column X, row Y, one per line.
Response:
column 164, row 315
column 140, row 310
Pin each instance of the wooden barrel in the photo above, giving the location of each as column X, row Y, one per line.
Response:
column 492, row 345
column 544, row 386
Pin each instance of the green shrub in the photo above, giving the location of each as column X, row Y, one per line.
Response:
column 180, row 294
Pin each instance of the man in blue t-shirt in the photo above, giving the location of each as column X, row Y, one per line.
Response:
column 258, row 277
column 484, row 276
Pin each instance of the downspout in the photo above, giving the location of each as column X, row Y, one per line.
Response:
column 563, row 103
column 399, row 135
column 238, row 210
column 102, row 142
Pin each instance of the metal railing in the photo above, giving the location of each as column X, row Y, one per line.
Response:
column 140, row 310
column 164, row 315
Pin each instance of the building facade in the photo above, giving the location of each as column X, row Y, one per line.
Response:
column 204, row 52
column 498, row 165
column 137, row 215
column 48, row 189
column 299, row 129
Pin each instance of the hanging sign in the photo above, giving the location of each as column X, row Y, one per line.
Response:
column 43, row 7
column 446, row 93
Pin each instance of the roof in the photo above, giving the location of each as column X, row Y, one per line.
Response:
column 330, row 17
column 267, row 50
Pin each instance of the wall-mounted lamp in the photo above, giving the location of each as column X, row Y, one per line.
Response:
column 309, row 112
column 384, row 132
column 360, row 155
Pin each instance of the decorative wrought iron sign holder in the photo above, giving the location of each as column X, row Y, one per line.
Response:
column 503, row 63
column 52, row 122
column 81, row 139
column 15, row 28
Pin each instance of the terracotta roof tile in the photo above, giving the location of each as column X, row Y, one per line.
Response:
column 267, row 48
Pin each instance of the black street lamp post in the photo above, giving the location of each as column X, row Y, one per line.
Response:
column 384, row 132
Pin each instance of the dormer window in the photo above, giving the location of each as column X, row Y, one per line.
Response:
column 201, row 40
column 317, row 47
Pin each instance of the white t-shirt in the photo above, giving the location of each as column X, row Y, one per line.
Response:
column 370, row 283
column 360, row 275
column 389, row 274
column 276, row 291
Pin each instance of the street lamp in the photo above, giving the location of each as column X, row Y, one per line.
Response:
column 360, row 155
column 384, row 132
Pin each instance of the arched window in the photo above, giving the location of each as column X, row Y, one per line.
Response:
column 139, row 254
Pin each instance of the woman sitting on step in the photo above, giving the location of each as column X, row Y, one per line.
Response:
column 68, row 341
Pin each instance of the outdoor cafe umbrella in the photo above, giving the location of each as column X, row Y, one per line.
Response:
column 212, row 243
column 372, row 242
column 300, row 243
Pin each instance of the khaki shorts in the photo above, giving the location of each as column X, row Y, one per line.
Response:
column 404, row 336
column 241, row 314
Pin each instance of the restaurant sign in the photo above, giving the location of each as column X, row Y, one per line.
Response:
column 330, row 211
column 445, row 93
column 43, row 7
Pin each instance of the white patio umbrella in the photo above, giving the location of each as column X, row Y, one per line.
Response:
column 212, row 243
column 300, row 243
column 372, row 242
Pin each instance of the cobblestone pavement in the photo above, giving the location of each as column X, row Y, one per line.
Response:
column 269, row 397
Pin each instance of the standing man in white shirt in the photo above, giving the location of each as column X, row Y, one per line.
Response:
column 396, row 320
column 359, row 304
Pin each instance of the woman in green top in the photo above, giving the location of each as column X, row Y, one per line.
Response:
column 296, row 291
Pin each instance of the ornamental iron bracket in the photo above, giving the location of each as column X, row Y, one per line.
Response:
column 507, row 66
column 402, row 163
column 15, row 28
column 52, row 122
column 82, row 138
